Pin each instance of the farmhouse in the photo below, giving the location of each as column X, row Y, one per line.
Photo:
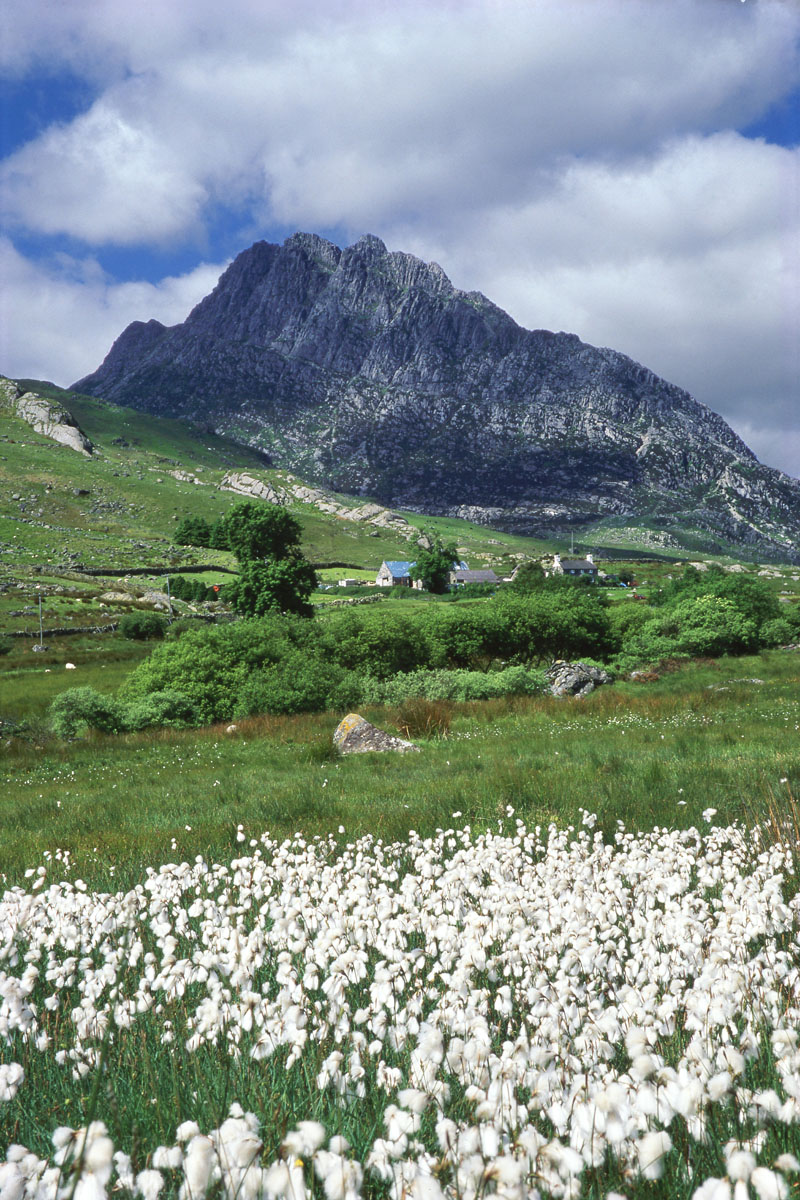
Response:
column 395, row 574
column 574, row 566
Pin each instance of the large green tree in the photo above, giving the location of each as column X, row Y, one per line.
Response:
column 260, row 531
column 274, row 576
column 434, row 564
column 278, row 585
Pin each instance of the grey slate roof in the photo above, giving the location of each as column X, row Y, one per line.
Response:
column 477, row 576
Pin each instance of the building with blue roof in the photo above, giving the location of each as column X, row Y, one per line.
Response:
column 395, row 574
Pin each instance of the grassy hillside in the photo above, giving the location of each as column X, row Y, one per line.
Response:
column 119, row 506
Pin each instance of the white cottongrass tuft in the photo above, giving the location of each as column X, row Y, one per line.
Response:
column 508, row 1011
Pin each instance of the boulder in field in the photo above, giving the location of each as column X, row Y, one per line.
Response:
column 355, row 735
column 575, row 679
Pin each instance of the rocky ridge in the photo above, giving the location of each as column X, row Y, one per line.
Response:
column 372, row 514
column 367, row 372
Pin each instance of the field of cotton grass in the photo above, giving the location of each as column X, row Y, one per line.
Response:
column 518, row 1012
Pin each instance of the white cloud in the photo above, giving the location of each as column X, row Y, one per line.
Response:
column 59, row 320
column 573, row 159
column 103, row 179
column 401, row 114
column 688, row 261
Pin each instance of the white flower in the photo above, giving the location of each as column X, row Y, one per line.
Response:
column 168, row 1158
column 713, row 1189
column 651, row 1151
column 149, row 1183
column 768, row 1184
column 197, row 1165
column 89, row 1187
column 186, row 1131
column 303, row 1141
column 11, row 1077
column 740, row 1163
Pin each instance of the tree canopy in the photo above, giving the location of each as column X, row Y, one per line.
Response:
column 434, row 564
column 261, row 531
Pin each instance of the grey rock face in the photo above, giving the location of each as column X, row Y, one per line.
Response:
column 575, row 679
column 367, row 372
column 46, row 417
column 355, row 735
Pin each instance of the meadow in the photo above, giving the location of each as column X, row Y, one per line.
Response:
column 722, row 733
column 554, row 954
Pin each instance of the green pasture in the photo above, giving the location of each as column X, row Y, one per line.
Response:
column 721, row 735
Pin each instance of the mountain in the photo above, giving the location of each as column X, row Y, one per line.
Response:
column 368, row 372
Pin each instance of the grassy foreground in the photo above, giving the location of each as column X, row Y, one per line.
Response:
column 722, row 734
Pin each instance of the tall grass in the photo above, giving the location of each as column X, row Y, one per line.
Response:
column 655, row 754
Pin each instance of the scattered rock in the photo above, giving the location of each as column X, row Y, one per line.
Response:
column 575, row 679
column 644, row 676
column 231, row 728
column 355, row 735
column 69, row 667
column 117, row 598
column 159, row 600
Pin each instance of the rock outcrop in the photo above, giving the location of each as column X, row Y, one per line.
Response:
column 367, row 372
column 575, row 679
column 371, row 514
column 355, row 735
column 45, row 417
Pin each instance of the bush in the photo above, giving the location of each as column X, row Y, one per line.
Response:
column 80, row 708
column 376, row 642
column 158, row 708
column 454, row 685
column 298, row 683
column 567, row 621
column 791, row 614
column 6, row 645
column 212, row 665
column 712, row 625
column 142, row 626
column 183, row 625
column 777, row 632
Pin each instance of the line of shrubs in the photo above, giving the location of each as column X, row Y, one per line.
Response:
column 290, row 664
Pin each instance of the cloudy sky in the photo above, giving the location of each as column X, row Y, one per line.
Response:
column 627, row 170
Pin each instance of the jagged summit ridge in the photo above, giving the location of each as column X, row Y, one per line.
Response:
column 367, row 371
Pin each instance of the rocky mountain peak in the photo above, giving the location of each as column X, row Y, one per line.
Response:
column 365, row 370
